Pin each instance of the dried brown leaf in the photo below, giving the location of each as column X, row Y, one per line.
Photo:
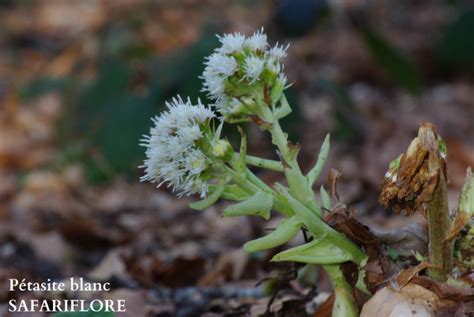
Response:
column 325, row 310
column 410, row 186
column 405, row 276
column 411, row 300
column 458, row 224
column 111, row 265
column 444, row 290
column 333, row 178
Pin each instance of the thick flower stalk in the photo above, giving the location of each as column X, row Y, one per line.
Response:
column 244, row 77
column 417, row 182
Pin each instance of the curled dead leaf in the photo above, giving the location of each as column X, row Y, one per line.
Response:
column 458, row 224
column 405, row 276
column 333, row 178
column 410, row 182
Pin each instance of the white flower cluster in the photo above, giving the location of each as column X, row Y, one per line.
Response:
column 181, row 147
column 239, row 63
column 172, row 155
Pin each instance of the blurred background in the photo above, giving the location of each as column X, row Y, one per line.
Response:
column 79, row 81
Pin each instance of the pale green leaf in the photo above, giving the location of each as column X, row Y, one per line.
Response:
column 318, row 228
column 319, row 251
column 325, row 198
column 259, row 204
column 321, row 161
column 311, row 219
column 285, row 231
column 300, row 189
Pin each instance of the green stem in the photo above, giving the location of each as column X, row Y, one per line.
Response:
column 297, row 182
column 304, row 194
column 280, row 139
column 344, row 303
column 264, row 163
column 242, row 181
column 301, row 189
column 251, row 184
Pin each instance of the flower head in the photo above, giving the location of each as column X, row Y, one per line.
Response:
column 173, row 155
column 239, row 72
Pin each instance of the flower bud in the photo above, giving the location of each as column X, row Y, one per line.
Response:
column 222, row 149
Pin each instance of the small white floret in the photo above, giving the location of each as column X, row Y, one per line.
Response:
column 258, row 41
column 253, row 68
column 218, row 68
column 231, row 43
column 277, row 53
column 221, row 65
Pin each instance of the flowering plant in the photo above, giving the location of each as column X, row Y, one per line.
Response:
column 244, row 77
column 245, row 80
